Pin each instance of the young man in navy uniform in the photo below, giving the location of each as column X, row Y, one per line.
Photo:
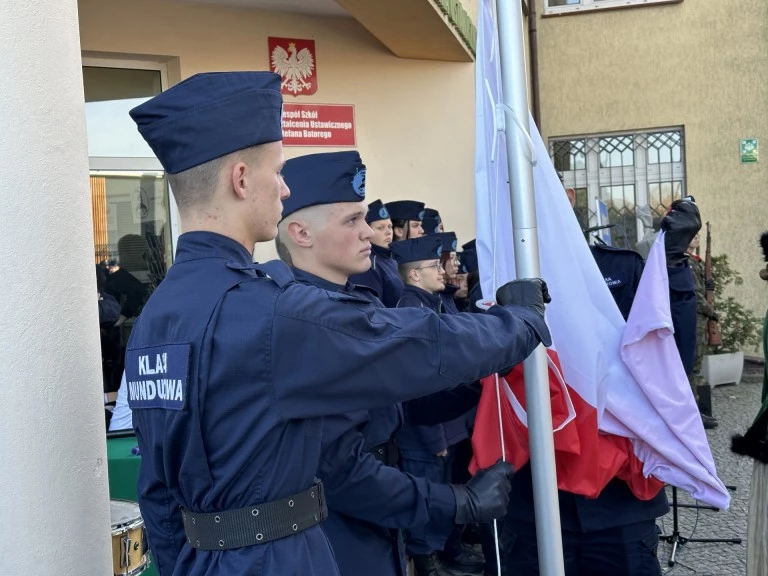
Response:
column 382, row 276
column 232, row 366
column 325, row 238
column 426, row 449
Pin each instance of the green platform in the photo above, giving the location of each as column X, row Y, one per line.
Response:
column 123, row 473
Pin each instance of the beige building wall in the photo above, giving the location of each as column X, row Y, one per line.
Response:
column 414, row 119
column 701, row 64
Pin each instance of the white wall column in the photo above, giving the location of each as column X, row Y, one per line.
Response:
column 54, row 502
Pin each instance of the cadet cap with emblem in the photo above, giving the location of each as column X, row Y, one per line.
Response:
column 376, row 211
column 405, row 210
column 325, row 178
column 468, row 262
column 449, row 241
column 210, row 115
column 431, row 221
column 417, row 249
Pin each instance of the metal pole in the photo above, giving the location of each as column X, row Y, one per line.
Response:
column 514, row 88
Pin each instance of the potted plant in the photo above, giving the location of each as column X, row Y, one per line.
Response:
column 739, row 328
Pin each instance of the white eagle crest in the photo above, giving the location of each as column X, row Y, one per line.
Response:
column 294, row 68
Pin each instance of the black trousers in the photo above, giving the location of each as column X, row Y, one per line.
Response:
column 618, row 551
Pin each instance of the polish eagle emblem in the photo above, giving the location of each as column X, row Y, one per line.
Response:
column 296, row 67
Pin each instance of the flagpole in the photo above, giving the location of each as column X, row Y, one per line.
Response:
column 519, row 158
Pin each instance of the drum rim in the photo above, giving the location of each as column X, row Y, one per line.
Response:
column 118, row 529
column 133, row 522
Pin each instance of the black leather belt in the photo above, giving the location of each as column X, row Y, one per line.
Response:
column 257, row 524
column 386, row 453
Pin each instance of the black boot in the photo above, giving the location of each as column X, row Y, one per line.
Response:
column 709, row 422
column 426, row 565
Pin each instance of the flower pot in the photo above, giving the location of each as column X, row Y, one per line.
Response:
column 723, row 368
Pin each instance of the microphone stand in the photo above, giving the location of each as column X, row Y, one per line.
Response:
column 677, row 540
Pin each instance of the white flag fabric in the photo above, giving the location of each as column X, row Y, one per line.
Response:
column 587, row 328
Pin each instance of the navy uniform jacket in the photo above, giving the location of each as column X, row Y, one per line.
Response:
column 382, row 277
column 447, row 298
column 368, row 501
column 258, row 360
column 621, row 269
column 616, row 505
column 416, row 441
column 682, row 300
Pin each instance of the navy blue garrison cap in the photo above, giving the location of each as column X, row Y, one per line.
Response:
column 417, row 249
column 406, row 210
column 468, row 261
column 208, row 116
column 325, row 178
column 431, row 221
column 376, row 211
column 449, row 241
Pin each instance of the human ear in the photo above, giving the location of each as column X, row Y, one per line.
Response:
column 300, row 233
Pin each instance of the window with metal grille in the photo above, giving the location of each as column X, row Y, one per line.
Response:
column 626, row 171
column 565, row 6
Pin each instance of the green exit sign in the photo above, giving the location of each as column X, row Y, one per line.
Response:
column 749, row 150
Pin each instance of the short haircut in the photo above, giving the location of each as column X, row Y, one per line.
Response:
column 316, row 216
column 403, row 269
column 282, row 250
column 195, row 187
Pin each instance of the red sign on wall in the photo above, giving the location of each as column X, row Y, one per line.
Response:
column 295, row 61
column 318, row 125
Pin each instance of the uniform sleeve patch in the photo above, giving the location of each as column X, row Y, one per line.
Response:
column 157, row 376
column 616, row 280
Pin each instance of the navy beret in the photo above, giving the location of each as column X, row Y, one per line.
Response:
column 325, row 178
column 210, row 115
column 417, row 249
column 405, row 210
column 376, row 211
column 431, row 221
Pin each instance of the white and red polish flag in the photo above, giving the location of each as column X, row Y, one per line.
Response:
column 621, row 403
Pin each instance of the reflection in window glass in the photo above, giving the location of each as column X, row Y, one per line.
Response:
column 582, row 208
column 110, row 93
column 132, row 251
column 616, row 151
column 564, row 2
column 621, row 211
column 569, row 155
column 625, row 171
column 661, row 195
column 664, row 147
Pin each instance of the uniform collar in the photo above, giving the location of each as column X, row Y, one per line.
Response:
column 196, row 245
column 307, row 278
column 380, row 251
column 450, row 290
column 429, row 300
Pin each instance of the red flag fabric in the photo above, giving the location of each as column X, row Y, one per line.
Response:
column 586, row 459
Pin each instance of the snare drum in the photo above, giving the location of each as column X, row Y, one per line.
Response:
column 129, row 547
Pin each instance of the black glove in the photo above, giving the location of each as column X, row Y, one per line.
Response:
column 485, row 496
column 526, row 292
column 709, row 285
column 681, row 224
